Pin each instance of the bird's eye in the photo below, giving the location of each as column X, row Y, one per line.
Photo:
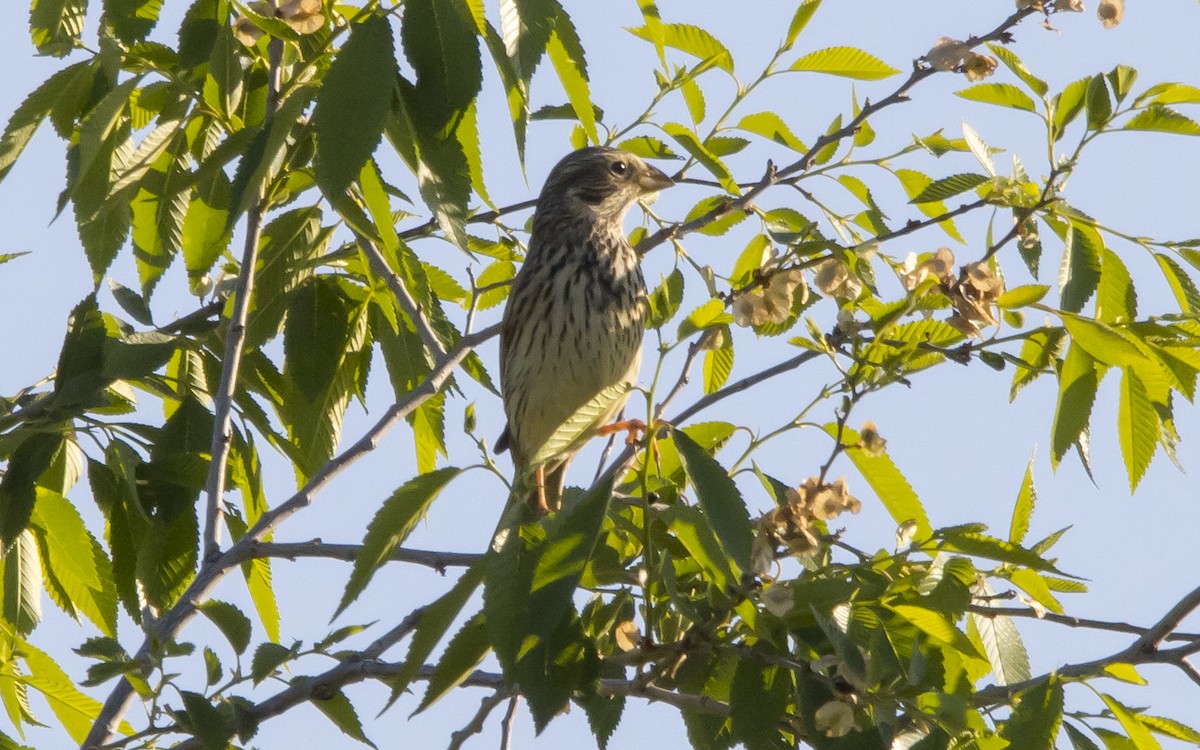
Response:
column 619, row 168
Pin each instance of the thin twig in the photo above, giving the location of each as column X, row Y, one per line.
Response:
column 439, row 561
column 1076, row 622
column 506, row 727
column 235, row 337
column 403, row 297
column 475, row 725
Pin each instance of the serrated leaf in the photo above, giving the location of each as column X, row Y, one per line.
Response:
column 1125, row 673
column 804, row 13
column 22, row 604
column 24, row 121
column 18, row 486
column 1014, row 63
column 1036, row 586
column 76, row 560
column 268, row 657
column 981, row 545
column 1003, row 647
column 719, row 499
column 938, row 626
column 1022, row 296
column 392, row 524
column 1131, row 723
column 1116, row 300
column 1035, row 722
column 566, row 55
column 581, row 425
column 892, row 488
column 74, row 710
column 665, row 299
column 1000, row 94
column 1023, row 507
column 230, row 620
column 848, row 62
column 338, row 709
column 691, row 40
column 1182, row 285
column 648, row 147
column 758, row 696
column 1171, row 728
column 686, row 138
column 354, row 103
column 57, row 25
column 203, row 235
column 718, row 364
column 1137, row 427
column 771, row 126
column 1079, row 274
column 1099, row 103
column 463, row 654
column 947, row 187
column 1160, row 119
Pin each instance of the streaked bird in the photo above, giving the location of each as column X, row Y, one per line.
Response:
column 576, row 312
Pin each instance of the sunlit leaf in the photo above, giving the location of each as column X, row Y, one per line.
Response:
column 848, row 62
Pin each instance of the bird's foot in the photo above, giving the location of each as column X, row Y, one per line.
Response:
column 634, row 429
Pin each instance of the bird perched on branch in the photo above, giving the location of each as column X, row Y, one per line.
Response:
column 571, row 337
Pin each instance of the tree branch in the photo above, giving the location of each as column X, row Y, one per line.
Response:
column 1076, row 622
column 437, row 560
column 235, row 337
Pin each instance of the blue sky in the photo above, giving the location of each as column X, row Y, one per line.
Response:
column 954, row 434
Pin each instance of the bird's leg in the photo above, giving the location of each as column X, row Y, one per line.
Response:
column 635, row 429
column 541, row 508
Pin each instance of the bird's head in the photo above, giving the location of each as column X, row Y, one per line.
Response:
column 600, row 183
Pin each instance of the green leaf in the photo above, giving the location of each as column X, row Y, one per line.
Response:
column 132, row 20
column 772, row 127
column 1160, row 119
column 1169, row 93
column 1013, row 63
column 693, row 97
column 1023, row 508
column 648, row 147
column 1171, row 728
column 1099, row 103
column 22, row 604
column 1068, row 105
column 1079, row 274
column 938, row 626
column 691, row 40
column 74, row 710
column 230, row 620
column 317, row 334
column 1040, row 349
column 1125, row 673
column 719, row 498
column 18, row 486
column 268, row 658
column 848, row 62
column 1182, row 286
column 566, row 55
column 338, row 709
column 892, row 488
column 804, row 13
column 718, row 364
column 355, row 102
column 75, row 560
column 1137, row 427
column 581, row 426
column 1001, row 94
column 1131, row 723
column 392, row 524
column 1116, row 300
column 1022, row 296
column 758, row 696
column 56, row 25
column 1004, row 648
column 210, row 726
column 464, row 653
column 442, row 46
column 947, row 187
column 1079, row 740
column 1035, row 722
column 666, row 299
column 686, row 138
column 974, row 543
column 31, row 112
column 203, row 236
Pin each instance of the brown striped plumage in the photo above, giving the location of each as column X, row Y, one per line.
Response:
column 576, row 311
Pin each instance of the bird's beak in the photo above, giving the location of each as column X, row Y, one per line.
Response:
column 652, row 179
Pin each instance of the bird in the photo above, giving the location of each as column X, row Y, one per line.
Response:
column 576, row 313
